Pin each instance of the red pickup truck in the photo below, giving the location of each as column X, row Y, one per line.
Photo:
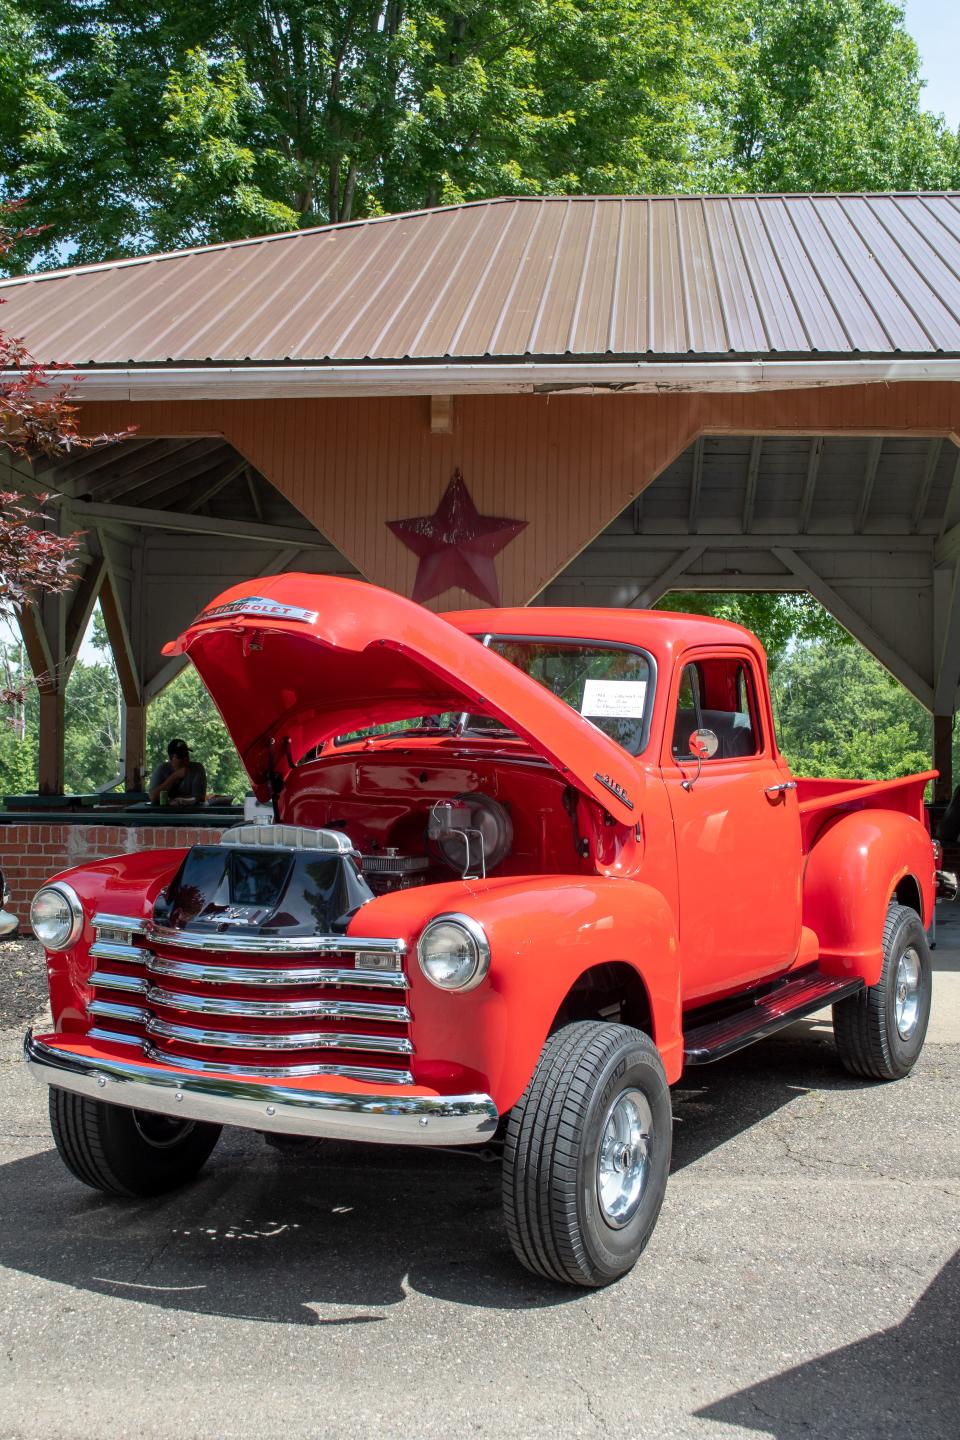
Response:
column 520, row 868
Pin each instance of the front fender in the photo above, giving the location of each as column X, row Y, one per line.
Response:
column 544, row 933
column 852, row 871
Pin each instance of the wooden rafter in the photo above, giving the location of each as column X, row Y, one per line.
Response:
column 750, row 488
column 930, row 463
column 874, row 451
column 217, row 480
column 127, row 479
column 696, row 480
column 810, row 483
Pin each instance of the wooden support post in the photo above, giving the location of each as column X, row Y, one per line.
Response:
column 133, row 746
column 51, row 767
column 943, row 756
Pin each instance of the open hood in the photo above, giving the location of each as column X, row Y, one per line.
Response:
column 293, row 660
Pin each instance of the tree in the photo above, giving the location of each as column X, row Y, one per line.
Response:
column 138, row 124
column 841, row 713
column 829, row 98
column 782, row 622
column 182, row 123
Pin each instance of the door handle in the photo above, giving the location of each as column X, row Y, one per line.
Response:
column 779, row 789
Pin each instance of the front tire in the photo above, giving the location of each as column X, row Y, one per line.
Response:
column 586, row 1155
column 127, row 1152
column 879, row 1032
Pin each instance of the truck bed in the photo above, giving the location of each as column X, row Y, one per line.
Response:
column 820, row 800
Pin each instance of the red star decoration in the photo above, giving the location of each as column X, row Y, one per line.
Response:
column 456, row 545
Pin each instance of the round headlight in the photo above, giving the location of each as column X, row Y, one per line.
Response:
column 453, row 952
column 56, row 916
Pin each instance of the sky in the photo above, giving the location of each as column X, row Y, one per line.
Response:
column 935, row 25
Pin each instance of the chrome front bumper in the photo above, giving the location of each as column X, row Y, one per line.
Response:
column 395, row 1119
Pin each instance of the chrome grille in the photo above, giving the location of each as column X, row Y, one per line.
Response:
column 254, row 996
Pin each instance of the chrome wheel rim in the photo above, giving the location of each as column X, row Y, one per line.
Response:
column 161, row 1131
column 907, row 1004
column 623, row 1160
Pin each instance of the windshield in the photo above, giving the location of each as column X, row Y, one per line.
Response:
column 609, row 685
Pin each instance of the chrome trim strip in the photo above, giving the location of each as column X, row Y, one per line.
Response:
column 115, row 1037
column 266, row 1040
column 270, row 1009
column 239, row 944
column 112, row 950
column 388, row 1119
column 130, row 984
column 120, row 922
column 372, row 1074
column 116, row 1010
column 299, row 975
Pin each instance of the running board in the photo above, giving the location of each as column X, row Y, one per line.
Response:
column 769, row 1012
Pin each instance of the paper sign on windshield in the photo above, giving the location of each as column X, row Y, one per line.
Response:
column 614, row 699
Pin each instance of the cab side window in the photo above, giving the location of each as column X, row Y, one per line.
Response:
column 718, row 694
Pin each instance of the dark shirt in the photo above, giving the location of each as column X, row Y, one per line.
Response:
column 191, row 786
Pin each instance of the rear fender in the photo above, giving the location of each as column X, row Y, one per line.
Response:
column 851, row 874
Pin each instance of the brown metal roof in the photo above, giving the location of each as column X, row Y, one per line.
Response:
column 633, row 276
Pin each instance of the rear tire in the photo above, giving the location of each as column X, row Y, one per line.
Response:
column 127, row 1152
column 586, row 1155
column 880, row 1031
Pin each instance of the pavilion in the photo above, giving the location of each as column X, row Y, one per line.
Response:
column 643, row 393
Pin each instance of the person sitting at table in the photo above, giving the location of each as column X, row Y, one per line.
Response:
column 182, row 780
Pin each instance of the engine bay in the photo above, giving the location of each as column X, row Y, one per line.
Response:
column 414, row 823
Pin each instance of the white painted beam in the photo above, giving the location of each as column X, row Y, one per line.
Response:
column 651, row 592
column 140, row 517
column 241, row 382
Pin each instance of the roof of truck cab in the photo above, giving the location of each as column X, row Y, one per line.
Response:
column 650, row 629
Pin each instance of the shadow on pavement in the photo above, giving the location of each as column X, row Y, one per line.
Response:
column 712, row 1104
column 331, row 1238
column 899, row 1382
column 338, row 1233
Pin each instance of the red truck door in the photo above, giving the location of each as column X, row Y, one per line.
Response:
column 737, row 829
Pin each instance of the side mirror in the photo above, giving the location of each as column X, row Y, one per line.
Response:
column 703, row 745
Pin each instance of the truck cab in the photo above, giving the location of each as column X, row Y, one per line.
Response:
column 517, row 869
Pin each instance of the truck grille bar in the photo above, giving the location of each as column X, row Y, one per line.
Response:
column 252, row 993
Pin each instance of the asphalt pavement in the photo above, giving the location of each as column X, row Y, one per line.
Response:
column 804, row 1279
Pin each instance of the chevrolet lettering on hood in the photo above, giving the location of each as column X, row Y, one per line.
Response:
column 257, row 605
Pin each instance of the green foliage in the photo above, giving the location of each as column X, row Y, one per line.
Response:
column 93, row 717
column 829, row 99
column 841, row 713
column 131, row 125
column 185, row 711
column 782, row 622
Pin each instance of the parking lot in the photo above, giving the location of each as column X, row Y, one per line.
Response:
column 804, row 1278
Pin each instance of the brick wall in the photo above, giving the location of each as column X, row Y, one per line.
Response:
column 30, row 851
